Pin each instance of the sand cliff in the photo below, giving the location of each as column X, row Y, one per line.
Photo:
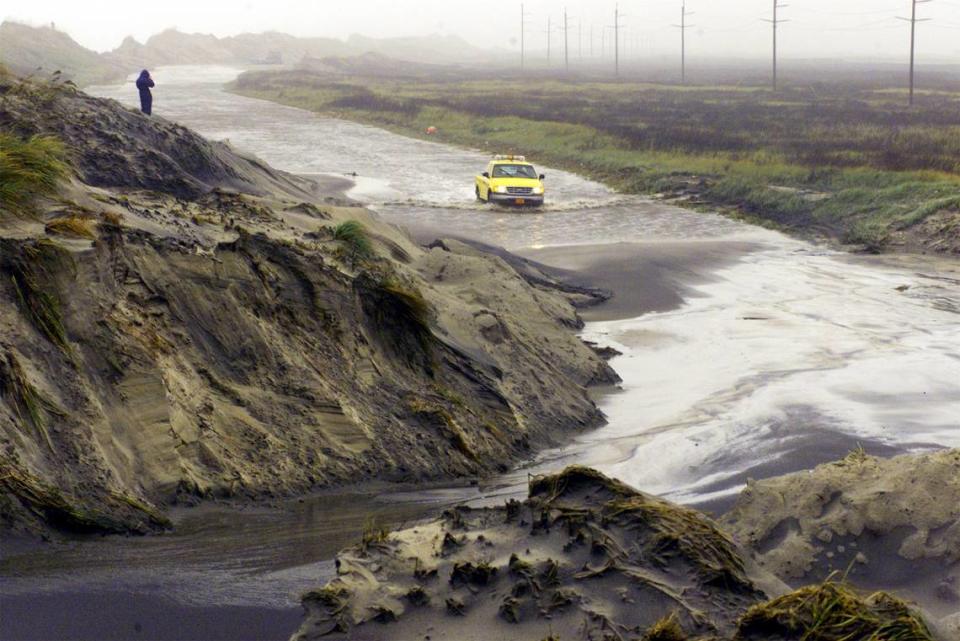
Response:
column 201, row 327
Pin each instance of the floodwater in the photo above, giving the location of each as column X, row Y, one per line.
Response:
column 788, row 357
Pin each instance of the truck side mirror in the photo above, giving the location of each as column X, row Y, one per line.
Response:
column 543, row 176
column 485, row 174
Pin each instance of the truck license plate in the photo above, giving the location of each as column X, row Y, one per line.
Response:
column 521, row 201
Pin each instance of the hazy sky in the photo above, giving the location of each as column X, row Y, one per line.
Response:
column 850, row 28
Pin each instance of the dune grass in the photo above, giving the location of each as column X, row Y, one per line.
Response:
column 27, row 403
column 355, row 239
column 374, row 533
column 831, row 611
column 666, row 629
column 31, row 268
column 30, row 169
column 71, row 225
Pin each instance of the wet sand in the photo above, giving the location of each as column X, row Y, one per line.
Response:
column 643, row 276
column 122, row 616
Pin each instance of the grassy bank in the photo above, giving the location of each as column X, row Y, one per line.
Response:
column 849, row 164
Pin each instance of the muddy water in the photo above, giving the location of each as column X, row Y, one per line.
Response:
column 785, row 358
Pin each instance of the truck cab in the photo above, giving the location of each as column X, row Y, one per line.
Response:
column 511, row 180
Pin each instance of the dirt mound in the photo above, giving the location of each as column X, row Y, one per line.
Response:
column 583, row 553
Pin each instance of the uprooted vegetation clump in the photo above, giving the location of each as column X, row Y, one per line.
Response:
column 32, row 268
column 50, row 505
column 831, row 611
column 30, row 169
column 71, row 225
column 29, row 405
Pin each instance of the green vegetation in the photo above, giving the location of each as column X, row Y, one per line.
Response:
column 355, row 239
column 846, row 162
column 30, row 169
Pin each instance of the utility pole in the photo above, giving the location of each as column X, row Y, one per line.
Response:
column 616, row 39
column 913, row 20
column 683, row 26
column 566, row 41
column 523, row 31
column 776, row 21
column 549, row 33
column 591, row 41
column 580, row 38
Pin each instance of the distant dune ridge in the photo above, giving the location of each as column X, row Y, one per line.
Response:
column 43, row 50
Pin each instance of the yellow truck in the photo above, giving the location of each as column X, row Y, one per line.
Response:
column 510, row 180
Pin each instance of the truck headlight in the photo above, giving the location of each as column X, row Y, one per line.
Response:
column 501, row 189
column 538, row 190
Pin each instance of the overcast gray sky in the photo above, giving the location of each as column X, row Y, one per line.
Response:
column 845, row 28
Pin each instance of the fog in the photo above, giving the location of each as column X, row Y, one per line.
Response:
column 864, row 29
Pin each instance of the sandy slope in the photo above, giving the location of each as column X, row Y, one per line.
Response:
column 889, row 524
column 218, row 341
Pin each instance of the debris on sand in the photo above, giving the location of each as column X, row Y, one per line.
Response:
column 585, row 557
column 583, row 552
column 832, row 612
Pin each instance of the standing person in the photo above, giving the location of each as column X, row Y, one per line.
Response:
column 144, row 83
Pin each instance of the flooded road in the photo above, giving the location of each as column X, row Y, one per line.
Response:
column 786, row 357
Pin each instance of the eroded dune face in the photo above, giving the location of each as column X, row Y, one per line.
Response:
column 583, row 557
column 205, row 326
column 890, row 524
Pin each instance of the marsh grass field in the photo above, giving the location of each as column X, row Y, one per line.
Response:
column 835, row 157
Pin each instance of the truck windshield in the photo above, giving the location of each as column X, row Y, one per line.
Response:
column 514, row 171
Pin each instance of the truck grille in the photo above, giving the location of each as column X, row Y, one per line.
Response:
column 520, row 191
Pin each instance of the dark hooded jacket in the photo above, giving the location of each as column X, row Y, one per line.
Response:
column 144, row 83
